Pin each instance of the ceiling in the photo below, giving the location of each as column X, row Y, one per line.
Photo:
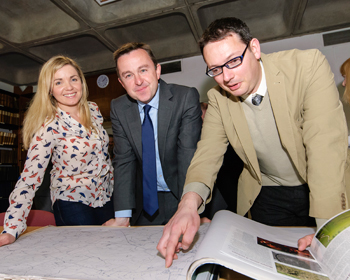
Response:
column 34, row 30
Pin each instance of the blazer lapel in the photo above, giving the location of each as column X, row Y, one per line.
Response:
column 243, row 135
column 279, row 103
column 165, row 112
column 132, row 118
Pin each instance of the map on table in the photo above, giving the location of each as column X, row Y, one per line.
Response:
column 93, row 253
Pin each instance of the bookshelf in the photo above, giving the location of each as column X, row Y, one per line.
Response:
column 9, row 130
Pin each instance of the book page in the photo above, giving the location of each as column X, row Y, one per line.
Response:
column 256, row 250
column 331, row 246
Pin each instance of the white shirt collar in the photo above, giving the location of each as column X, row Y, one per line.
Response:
column 153, row 103
column 262, row 87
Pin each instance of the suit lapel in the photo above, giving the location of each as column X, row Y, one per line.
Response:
column 132, row 118
column 279, row 103
column 243, row 134
column 165, row 112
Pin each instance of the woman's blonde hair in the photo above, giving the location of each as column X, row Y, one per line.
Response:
column 345, row 71
column 43, row 106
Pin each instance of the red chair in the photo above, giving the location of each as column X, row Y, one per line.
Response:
column 36, row 218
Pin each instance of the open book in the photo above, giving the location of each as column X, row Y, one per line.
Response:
column 264, row 252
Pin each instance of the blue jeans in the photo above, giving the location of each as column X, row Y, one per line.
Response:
column 68, row 213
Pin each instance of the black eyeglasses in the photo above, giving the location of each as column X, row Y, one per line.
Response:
column 232, row 63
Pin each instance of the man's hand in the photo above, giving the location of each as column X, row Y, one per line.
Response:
column 185, row 222
column 305, row 242
column 118, row 222
column 6, row 239
column 205, row 220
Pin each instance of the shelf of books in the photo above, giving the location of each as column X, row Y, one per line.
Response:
column 9, row 130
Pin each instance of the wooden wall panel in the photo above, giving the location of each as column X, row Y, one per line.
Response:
column 104, row 96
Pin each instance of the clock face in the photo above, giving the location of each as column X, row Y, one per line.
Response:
column 102, row 81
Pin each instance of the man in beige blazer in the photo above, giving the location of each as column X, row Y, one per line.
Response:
column 295, row 139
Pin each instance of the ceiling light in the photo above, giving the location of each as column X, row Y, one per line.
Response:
column 104, row 2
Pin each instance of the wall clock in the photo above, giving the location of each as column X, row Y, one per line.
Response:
column 102, row 81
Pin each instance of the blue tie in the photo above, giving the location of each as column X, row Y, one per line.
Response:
column 149, row 181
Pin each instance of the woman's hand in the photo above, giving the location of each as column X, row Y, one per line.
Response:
column 6, row 239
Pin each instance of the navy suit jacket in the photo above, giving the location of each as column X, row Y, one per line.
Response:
column 179, row 127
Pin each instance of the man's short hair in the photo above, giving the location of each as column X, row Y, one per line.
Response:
column 129, row 47
column 221, row 28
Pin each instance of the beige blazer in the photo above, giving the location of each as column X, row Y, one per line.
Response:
column 311, row 126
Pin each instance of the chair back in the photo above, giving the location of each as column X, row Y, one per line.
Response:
column 2, row 217
column 36, row 218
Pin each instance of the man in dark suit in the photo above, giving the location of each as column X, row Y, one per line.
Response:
column 175, row 118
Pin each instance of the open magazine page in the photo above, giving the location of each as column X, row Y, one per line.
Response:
column 331, row 246
column 256, row 250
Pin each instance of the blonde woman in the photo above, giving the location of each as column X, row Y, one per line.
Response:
column 62, row 125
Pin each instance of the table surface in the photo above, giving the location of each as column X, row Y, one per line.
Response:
column 225, row 274
column 29, row 229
